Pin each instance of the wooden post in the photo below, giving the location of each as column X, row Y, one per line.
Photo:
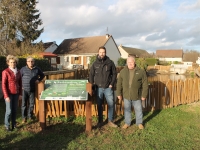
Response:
column 42, row 107
column 89, row 108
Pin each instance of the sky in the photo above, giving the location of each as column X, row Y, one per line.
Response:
column 143, row 24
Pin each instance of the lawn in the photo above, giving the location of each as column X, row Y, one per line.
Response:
column 173, row 128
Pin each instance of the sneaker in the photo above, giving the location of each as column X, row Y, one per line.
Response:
column 7, row 129
column 111, row 124
column 125, row 126
column 14, row 127
column 24, row 120
column 140, row 126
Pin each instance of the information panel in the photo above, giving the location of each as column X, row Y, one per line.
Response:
column 65, row 90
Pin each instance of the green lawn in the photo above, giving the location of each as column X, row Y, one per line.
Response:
column 173, row 128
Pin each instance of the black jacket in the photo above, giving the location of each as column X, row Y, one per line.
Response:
column 103, row 72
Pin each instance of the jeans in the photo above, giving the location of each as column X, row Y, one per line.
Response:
column 137, row 104
column 108, row 93
column 25, row 97
column 11, row 110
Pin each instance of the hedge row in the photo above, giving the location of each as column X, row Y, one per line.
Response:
column 43, row 64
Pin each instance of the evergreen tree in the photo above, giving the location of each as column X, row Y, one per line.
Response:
column 31, row 21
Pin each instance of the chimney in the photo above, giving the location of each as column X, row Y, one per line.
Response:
column 107, row 36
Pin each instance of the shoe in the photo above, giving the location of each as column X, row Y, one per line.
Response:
column 125, row 126
column 99, row 124
column 14, row 127
column 140, row 126
column 7, row 129
column 24, row 120
column 111, row 124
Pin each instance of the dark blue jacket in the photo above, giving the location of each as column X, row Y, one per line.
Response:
column 29, row 76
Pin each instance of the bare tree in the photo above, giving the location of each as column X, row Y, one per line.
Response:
column 191, row 55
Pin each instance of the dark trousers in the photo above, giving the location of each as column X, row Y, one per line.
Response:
column 27, row 97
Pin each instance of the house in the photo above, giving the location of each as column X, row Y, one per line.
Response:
column 125, row 51
column 50, row 46
column 52, row 58
column 76, row 53
column 170, row 55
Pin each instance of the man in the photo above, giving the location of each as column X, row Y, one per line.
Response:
column 132, row 85
column 103, row 77
column 30, row 76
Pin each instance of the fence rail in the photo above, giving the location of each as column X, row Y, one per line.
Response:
column 162, row 94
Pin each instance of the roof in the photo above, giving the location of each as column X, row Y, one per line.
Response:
column 82, row 45
column 169, row 53
column 47, row 44
column 48, row 54
column 136, row 51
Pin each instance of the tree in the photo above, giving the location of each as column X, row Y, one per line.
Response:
column 191, row 55
column 19, row 22
column 9, row 17
column 31, row 21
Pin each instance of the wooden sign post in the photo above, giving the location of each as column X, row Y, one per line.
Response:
column 69, row 90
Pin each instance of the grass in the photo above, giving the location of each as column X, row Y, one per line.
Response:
column 173, row 128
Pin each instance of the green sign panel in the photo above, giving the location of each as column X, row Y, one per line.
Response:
column 65, row 90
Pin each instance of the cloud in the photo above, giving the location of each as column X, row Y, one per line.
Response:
column 188, row 6
column 149, row 25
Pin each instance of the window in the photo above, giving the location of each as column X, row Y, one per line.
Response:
column 76, row 60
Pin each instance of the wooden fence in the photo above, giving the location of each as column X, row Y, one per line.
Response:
column 162, row 94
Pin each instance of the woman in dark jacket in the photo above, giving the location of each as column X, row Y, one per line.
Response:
column 12, row 90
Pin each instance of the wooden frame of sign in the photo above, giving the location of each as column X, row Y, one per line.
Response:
column 42, row 106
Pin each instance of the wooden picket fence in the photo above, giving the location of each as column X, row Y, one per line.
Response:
column 162, row 94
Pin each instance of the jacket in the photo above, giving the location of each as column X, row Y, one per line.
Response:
column 11, row 84
column 103, row 72
column 139, row 86
column 29, row 76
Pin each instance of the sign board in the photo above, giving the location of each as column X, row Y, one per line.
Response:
column 65, row 90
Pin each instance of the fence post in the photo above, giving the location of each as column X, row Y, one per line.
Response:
column 89, row 108
column 42, row 107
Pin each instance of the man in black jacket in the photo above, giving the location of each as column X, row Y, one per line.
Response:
column 31, row 75
column 103, row 76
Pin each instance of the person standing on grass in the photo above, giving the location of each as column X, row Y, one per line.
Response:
column 31, row 75
column 12, row 90
column 103, row 76
column 132, row 85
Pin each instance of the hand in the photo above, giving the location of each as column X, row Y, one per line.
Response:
column 110, row 86
column 119, row 99
column 7, row 99
column 143, row 98
column 20, row 97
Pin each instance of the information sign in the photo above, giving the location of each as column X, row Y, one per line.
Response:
column 65, row 90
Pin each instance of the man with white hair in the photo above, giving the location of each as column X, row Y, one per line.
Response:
column 132, row 85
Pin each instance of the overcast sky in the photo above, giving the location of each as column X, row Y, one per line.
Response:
column 144, row 24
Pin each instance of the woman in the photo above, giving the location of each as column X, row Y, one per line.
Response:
column 12, row 90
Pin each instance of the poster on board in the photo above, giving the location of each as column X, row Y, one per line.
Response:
column 64, row 90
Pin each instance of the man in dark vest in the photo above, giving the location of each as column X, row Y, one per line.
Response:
column 31, row 75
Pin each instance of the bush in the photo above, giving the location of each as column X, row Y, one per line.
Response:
column 121, row 62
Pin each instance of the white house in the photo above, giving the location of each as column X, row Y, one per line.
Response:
column 198, row 61
column 125, row 51
column 76, row 52
column 170, row 55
